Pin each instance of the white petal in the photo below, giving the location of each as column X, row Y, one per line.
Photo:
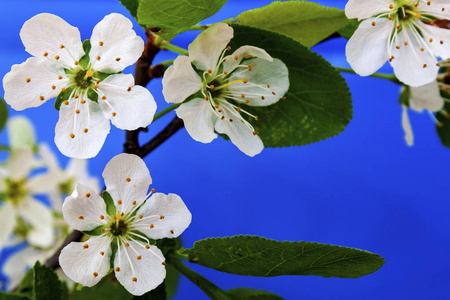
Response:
column 198, row 119
column 436, row 40
column 206, row 49
column 30, row 84
column 40, row 218
column 409, row 137
column 366, row 50
column 139, row 276
column 180, row 81
column 7, row 221
column 78, row 169
column 45, row 182
column 83, row 144
column 19, row 164
column 239, row 133
column 427, row 96
column 363, row 9
column 127, row 179
column 438, row 8
column 83, row 210
column 120, row 46
column 83, row 263
column 412, row 66
column 21, row 132
column 56, row 200
column 49, row 33
column 128, row 106
column 267, row 82
column 230, row 62
column 176, row 216
column 48, row 157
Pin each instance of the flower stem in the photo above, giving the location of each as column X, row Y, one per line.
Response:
column 168, row 46
column 209, row 288
column 167, row 63
column 165, row 111
column 390, row 77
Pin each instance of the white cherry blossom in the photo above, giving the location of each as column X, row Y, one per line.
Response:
column 218, row 83
column 89, row 99
column 401, row 31
column 135, row 220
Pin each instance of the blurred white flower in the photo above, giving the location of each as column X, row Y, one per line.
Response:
column 402, row 32
column 126, row 224
column 60, row 65
column 249, row 76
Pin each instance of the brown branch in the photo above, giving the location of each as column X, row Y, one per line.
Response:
column 53, row 261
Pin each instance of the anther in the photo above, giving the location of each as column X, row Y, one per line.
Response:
column 249, row 56
column 27, row 80
column 422, row 49
column 81, row 217
column 100, row 43
column 397, row 47
column 117, row 269
column 222, row 118
column 255, row 133
column 250, row 68
column 206, row 98
column 83, row 101
column 273, row 93
column 134, row 279
column 76, row 96
column 77, row 111
column 56, row 57
column 95, row 86
column 60, row 77
column 86, row 130
column 98, row 57
column 147, row 246
column 374, row 23
column 114, row 114
column 242, row 96
column 139, row 257
column 53, row 87
column 95, row 274
column 102, row 217
column 211, row 86
column 429, row 3
column 128, row 179
column 85, row 246
column 89, row 73
column 284, row 98
column 247, row 101
column 391, row 6
column 97, row 81
column 103, row 230
column 438, row 64
column 431, row 40
column 140, row 216
column 256, row 118
column 161, row 217
column 103, row 97
column 209, row 71
column 163, row 263
column 61, row 46
column 216, row 106
column 41, row 98
column 397, row 27
column 238, row 108
column 127, row 245
column 171, row 231
column 236, row 57
column 405, row 43
column 102, row 253
column 63, row 89
column 72, row 135
column 424, row 66
column 225, row 73
column 443, row 9
column 418, row 15
column 129, row 89
column 220, row 110
column 134, row 202
column 152, row 226
column 390, row 18
column 45, row 53
column 117, row 58
column 66, row 102
column 88, row 195
column 440, row 125
column 228, row 48
column 442, row 42
column 231, row 120
column 152, row 190
column 268, row 86
column 405, row 16
column 119, row 202
column 263, row 98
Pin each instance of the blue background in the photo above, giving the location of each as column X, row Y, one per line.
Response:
column 364, row 188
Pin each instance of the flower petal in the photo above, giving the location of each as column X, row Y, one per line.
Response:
column 232, row 61
column 128, row 106
column 47, row 33
column 267, row 82
column 40, row 218
column 45, row 182
column 138, row 269
column 19, row 164
column 239, row 132
column 198, row 119
column 438, row 8
column 362, row 9
column 412, row 66
column 78, row 170
column 436, row 40
column 127, row 179
column 180, row 81
column 207, row 48
column 115, row 44
column 366, row 50
column 7, row 221
column 163, row 216
column 426, row 97
column 32, row 83
column 84, row 210
column 71, row 136
column 84, row 262
column 409, row 137
column 21, row 132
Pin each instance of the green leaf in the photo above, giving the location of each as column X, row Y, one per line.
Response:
column 107, row 288
column 249, row 294
column 405, row 95
column 13, row 296
column 171, row 280
column 306, row 22
column 63, row 96
column 131, row 5
column 94, row 232
column 3, row 113
column 318, row 104
column 46, row 283
column 257, row 256
column 156, row 294
column 169, row 18
column 84, row 60
column 110, row 206
column 21, row 133
column 349, row 29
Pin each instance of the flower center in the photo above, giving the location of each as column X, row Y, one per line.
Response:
column 118, row 226
column 15, row 191
column 82, row 79
column 66, row 187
